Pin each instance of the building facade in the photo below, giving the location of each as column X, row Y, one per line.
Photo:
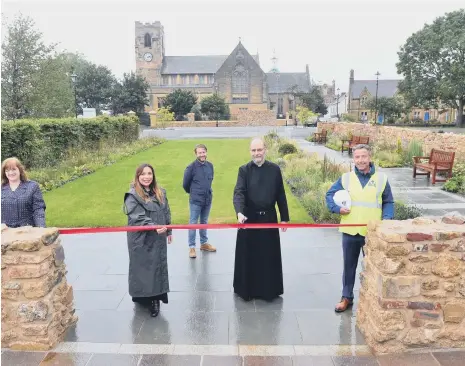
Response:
column 237, row 77
column 360, row 91
column 338, row 106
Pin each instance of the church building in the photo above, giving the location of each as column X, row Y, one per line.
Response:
column 237, row 77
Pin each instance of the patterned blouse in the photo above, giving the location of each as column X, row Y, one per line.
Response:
column 23, row 206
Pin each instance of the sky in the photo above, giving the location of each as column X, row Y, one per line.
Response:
column 332, row 37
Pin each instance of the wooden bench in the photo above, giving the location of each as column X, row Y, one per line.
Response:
column 355, row 140
column 320, row 137
column 437, row 161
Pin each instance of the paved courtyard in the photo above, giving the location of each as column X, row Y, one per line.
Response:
column 417, row 191
column 205, row 323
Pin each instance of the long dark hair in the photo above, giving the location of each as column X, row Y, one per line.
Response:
column 153, row 187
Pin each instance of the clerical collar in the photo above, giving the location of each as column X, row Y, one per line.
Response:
column 259, row 165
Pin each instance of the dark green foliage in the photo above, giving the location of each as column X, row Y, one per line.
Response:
column 405, row 212
column 180, row 102
column 287, row 148
column 45, row 142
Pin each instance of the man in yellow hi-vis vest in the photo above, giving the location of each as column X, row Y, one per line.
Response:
column 370, row 197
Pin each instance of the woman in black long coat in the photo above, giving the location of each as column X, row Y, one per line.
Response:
column 146, row 204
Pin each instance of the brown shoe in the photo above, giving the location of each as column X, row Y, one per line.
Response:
column 343, row 305
column 208, row 247
column 192, row 253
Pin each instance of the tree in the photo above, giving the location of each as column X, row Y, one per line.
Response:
column 94, row 86
column 214, row 107
column 23, row 52
column 180, row 102
column 130, row 94
column 304, row 114
column 52, row 95
column 432, row 62
column 390, row 108
column 164, row 115
column 313, row 101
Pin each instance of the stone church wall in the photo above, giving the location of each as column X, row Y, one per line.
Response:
column 37, row 302
column 412, row 291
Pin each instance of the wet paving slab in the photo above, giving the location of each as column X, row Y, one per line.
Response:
column 443, row 358
column 203, row 308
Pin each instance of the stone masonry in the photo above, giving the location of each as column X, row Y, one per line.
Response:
column 413, row 284
column 37, row 302
column 387, row 134
column 256, row 118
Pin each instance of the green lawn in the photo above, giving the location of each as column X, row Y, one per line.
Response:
column 97, row 199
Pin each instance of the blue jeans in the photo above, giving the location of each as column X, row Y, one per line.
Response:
column 198, row 212
column 351, row 247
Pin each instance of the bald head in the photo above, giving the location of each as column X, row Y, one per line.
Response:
column 257, row 143
column 257, row 150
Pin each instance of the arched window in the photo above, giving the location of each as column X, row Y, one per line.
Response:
column 240, row 85
column 147, row 40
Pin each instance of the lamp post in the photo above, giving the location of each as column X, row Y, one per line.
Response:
column 73, row 79
column 337, row 104
column 216, row 93
column 376, row 97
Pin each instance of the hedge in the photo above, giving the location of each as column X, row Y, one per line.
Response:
column 44, row 142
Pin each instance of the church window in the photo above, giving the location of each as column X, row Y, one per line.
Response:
column 240, row 84
column 280, row 105
column 147, row 40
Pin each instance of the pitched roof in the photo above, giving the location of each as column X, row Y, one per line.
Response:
column 281, row 82
column 386, row 88
column 194, row 64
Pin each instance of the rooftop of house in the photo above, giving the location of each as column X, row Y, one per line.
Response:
column 386, row 88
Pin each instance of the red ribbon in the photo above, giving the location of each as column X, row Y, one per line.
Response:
column 93, row 230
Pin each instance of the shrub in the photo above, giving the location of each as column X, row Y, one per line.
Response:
column 415, row 148
column 334, row 142
column 45, row 142
column 348, row 118
column 403, row 211
column 288, row 157
column 287, row 148
column 388, row 159
column 81, row 162
column 457, row 183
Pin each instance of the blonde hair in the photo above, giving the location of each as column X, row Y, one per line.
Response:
column 13, row 163
column 153, row 186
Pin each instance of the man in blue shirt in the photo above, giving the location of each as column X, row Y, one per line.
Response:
column 365, row 185
column 198, row 178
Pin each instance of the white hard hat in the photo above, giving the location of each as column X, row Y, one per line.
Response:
column 342, row 199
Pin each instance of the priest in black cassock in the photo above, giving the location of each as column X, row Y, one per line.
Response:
column 258, row 267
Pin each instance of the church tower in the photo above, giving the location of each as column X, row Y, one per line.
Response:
column 149, row 51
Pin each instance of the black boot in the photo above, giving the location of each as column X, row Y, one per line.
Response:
column 154, row 308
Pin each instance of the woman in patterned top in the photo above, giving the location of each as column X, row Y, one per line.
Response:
column 22, row 202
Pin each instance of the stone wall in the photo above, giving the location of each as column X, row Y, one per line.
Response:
column 37, row 302
column 256, row 118
column 390, row 135
column 412, row 291
column 275, row 122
